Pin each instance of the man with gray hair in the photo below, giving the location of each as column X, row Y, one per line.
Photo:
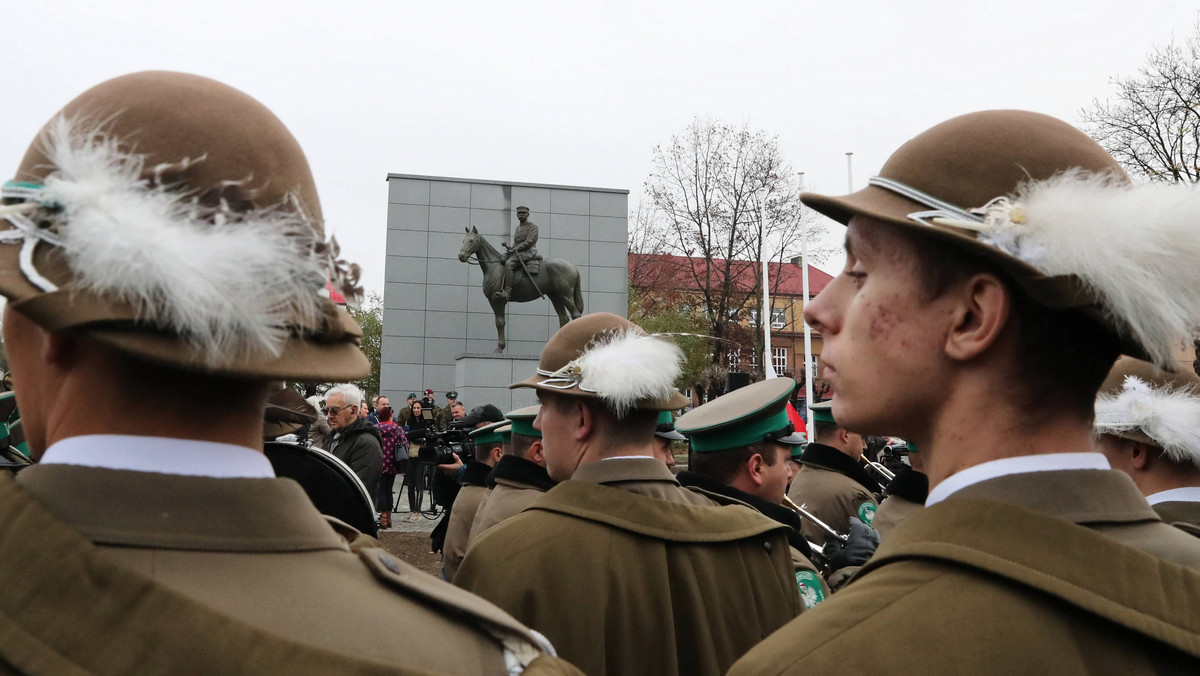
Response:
column 355, row 441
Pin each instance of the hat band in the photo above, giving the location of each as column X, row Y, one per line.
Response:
column 738, row 436
column 524, row 427
column 562, row 379
column 940, row 208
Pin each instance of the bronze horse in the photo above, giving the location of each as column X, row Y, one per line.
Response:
column 557, row 279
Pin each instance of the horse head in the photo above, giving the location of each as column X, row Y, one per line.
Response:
column 470, row 245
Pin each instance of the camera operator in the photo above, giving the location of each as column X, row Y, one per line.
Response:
column 489, row 447
column 447, row 483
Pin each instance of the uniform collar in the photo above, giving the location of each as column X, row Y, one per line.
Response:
column 1184, row 494
column 163, row 455
column 169, row 511
column 627, row 468
column 1048, row 462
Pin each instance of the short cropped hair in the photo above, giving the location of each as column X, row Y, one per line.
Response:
column 724, row 466
column 1065, row 354
column 521, row 444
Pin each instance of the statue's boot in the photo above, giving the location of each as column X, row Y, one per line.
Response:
column 502, row 294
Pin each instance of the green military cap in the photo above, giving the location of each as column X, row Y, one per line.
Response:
column 412, row 395
column 822, row 412
column 522, row 421
column 452, row 395
column 666, row 427
column 496, row 433
column 757, row 412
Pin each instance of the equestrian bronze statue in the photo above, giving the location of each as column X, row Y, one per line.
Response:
column 553, row 278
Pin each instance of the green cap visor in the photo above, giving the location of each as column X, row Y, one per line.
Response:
column 823, row 415
column 737, row 436
column 524, row 427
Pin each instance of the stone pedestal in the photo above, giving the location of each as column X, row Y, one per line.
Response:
column 484, row 377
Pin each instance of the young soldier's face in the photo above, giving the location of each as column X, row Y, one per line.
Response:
column 883, row 344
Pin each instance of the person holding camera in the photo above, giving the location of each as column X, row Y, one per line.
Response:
column 489, row 448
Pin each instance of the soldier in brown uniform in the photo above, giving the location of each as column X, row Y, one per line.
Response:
column 831, row 484
column 1149, row 425
column 741, row 448
column 519, row 478
column 995, row 269
column 624, row 569
column 163, row 244
column 906, row 494
column 489, row 449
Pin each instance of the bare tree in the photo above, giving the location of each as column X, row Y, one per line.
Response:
column 1151, row 125
column 725, row 198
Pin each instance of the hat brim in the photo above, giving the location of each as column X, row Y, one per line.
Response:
column 672, row 435
column 674, row 402
column 793, row 439
column 1058, row 292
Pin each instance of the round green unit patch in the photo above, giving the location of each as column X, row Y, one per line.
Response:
column 812, row 589
column 866, row 512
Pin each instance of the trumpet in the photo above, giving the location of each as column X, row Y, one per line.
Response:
column 820, row 524
column 881, row 472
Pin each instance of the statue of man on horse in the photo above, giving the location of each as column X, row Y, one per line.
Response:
column 521, row 255
column 555, row 278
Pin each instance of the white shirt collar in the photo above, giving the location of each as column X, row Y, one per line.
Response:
column 1020, row 465
column 164, row 455
column 625, row 457
column 1185, row 494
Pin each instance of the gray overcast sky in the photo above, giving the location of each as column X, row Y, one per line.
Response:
column 579, row 93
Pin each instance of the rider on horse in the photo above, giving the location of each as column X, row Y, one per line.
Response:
column 521, row 255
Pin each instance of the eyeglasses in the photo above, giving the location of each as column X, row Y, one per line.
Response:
column 334, row 410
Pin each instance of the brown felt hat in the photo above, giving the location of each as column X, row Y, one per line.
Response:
column 228, row 163
column 287, row 411
column 563, row 366
column 1181, row 383
column 965, row 163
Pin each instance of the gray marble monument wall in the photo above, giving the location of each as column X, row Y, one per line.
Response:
column 434, row 307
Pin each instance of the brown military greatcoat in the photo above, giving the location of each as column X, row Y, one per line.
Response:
column 462, row 515
column 515, row 484
column 827, row 488
column 1065, row 572
column 627, row 572
column 1179, row 511
column 108, row 571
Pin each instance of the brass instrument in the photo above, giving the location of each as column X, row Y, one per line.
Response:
column 808, row 515
column 880, row 472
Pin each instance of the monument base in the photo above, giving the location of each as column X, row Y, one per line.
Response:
column 483, row 378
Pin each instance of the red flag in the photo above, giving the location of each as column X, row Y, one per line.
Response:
column 797, row 421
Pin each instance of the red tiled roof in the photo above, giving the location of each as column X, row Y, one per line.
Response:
column 665, row 270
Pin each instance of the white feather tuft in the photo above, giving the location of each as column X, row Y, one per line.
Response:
column 1134, row 246
column 625, row 367
column 228, row 283
column 1171, row 417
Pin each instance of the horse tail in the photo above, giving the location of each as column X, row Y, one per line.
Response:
column 578, row 293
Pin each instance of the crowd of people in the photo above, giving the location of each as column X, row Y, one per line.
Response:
column 1010, row 307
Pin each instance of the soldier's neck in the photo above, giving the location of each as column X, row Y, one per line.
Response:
column 974, row 426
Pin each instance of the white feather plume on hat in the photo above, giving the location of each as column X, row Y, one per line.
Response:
column 1169, row 416
column 625, row 367
column 1135, row 246
column 227, row 282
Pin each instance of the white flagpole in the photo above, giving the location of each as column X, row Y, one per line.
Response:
column 768, row 362
column 808, row 359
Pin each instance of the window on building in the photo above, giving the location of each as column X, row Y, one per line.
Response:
column 779, row 359
column 778, row 318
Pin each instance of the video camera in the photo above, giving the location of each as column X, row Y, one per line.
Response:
column 439, row 448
